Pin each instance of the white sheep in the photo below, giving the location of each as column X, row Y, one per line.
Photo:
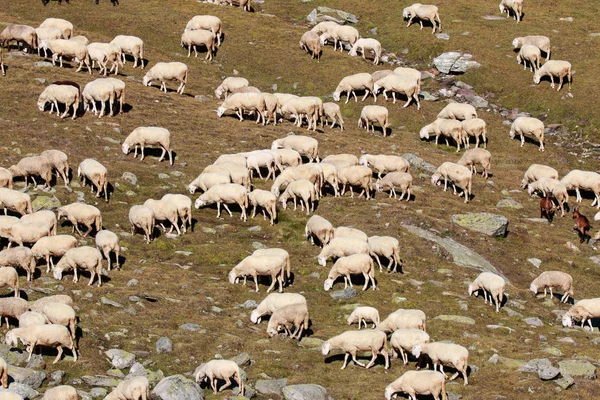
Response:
column 275, row 251
column 402, row 181
column 418, row 382
column 7, row 395
column 529, row 54
column 339, row 34
column 475, row 127
column 241, row 102
column 59, row 161
column 351, row 83
column 584, row 310
column 374, row 114
column 295, row 315
column 460, row 111
column 585, row 180
column 239, row 173
column 477, row 156
column 84, row 257
column 104, row 53
column 96, row 173
column 491, row 284
column 19, row 33
column 200, row 37
column 184, row 208
column 6, row 178
column 324, row 26
column 19, row 256
column 307, row 106
column 272, row 105
column 289, row 157
column 220, row 369
column 167, row 71
column 229, row 85
column 61, row 314
column 108, row 242
column 81, row 39
column 98, row 91
column 399, row 84
column 541, row 42
column 49, row 335
column 537, row 171
column 84, row 214
column 554, row 279
column 130, row 45
column 403, row 319
column 31, row 166
column 15, row 201
column 362, row 315
column 261, row 159
column 448, row 128
column 303, row 189
column 164, row 211
column 69, row 48
column 528, row 125
column 54, row 94
column 404, row 339
column 330, row 176
column 266, row 200
column 357, row 175
column 147, row 136
column 53, row 246
column 119, row 89
column 332, row 112
column 424, row 12
column 38, row 305
column 10, row 278
column 411, row 72
column 457, row 174
column 273, row 302
column 43, row 35
column 442, row 354
column 388, row 247
column 2, row 64
column 552, row 68
column 311, row 43
column 63, row 25
column 345, row 231
column 12, row 307
column 29, row 318
column 354, row 341
column 364, row 44
column 142, row 217
column 342, row 247
column 206, row 22
column 62, row 392
column 136, row 388
column 384, row 164
column 234, row 158
column 319, row 228
column 514, row 6
column 559, row 191
column 230, row 193
column 269, row 265
column 377, row 75
column 341, row 160
column 351, row 265
column 304, row 145
column 26, row 233
column 6, row 223
column 206, row 180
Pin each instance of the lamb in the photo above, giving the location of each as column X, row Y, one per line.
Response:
column 63, row 25
column 537, row 171
column 19, row 256
column 197, row 38
column 516, row 6
column 206, row 180
column 245, row 101
column 130, row 45
column 142, row 217
column 403, row 319
column 460, row 111
column 554, row 279
column 385, row 164
column 15, row 201
column 18, row 33
column 354, row 341
column 584, row 310
column 424, row 12
column 399, row 84
column 553, row 186
column 38, row 305
column 108, row 242
column 53, row 246
column 303, row 189
column 357, row 175
column 445, row 353
column 319, row 228
column 411, row 72
column 85, row 257
column 184, row 208
column 10, row 278
column 448, row 128
column 310, row 172
column 230, row 193
column 62, row 314
column 339, row 34
column 289, row 157
column 309, row 106
column 586, row 180
column 374, row 114
column 475, row 127
column 62, row 392
column 541, row 42
column 136, row 388
column 396, row 180
column 101, row 91
column 362, row 315
column 45, row 34
column 311, row 43
column 54, row 94
column 96, row 173
column 6, row 178
column 351, row 265
column 29, row 318
column 273, row 302
column 388, row 247
column 530, row 54
column 458, row 175
column 75, row 50
column 304, row 145
column 351, row 83
column 59, row 162
column 84, row 214
column 164, row 211
column 490, row 283
column 363, row 45
column 404, row 339
column 331, row 111
column 26, row 233
column 266, row 200
column 146, row 136
column 43, row 335
column 418, row 382
column 30, row 166
column 287, row 316
column 271, row 265
column 553, row 68
column 342, row 247
column 229, row 85
column 12, row 307
column 528, row 125
column 208, row 23
column 476, row 156
column 167, row 71
column 220, row 369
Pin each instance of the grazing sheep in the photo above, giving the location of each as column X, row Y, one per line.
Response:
column 341, row 160
column 377, row 75
column 84, row 214
column 418, row 382
column 208, row 23
column 46, row 218
column 38, row 305
column 324, row 26
column 229, row 193
column 514, row 6
column 295, row 315
column 29, row 318
column 339, row 34
column 399, row 84
column 62, row 392
column 554, row 279
column 6, row 395
column 108, row 242
column 403, row 319
column 363, row 45
column 81, row 39
column 384, row 164
column 130, row 45
column 220, row 369
column 61, row 314
column 147, row 136
column 21, row 257
column 476, row 156
column 98, row 91
column 351, row 83
column 458, row 175
column 164, row 211
column 119, row 90
column 585, row 180
column 299, row 107
column 342, row 247
column 303, row 189
column 312, row 172
column 63, row 25
column 541, row 42
column 374, row 114
column 331, row 111
column 241, row 102
column 362, row 315
column 96, row 173
column 388, row 247
column 53, row 246
column 304, row 145
column 266, row 200
column 445, row 354
column 6, row 178
column 354, row 341
column 411, row 72
column 272, row 105
column 19, row 33
column 537, row 171
column 104, row 53
column 12, row 307
column 206, row 180
column 357, row 175
column 229, row 85
column 77, row 51
column 184, row 208
column 274, row 251
column 239, row 173
column 528, row 125
column 200, row 37
column 54, row 94
column 448, row 128
column 490, row 283
column 31, row 166
column 289, row 157
column 262, row 159
column 43, row 35
column 319, row 228
column 50, row 335
column 475, row 127
column 15, row 201
column 424, row 12
column 234, row 158
column 142, row 217
column 345, row 231
column 404, row 339
column 136, row 388
column 59, row 162
column 26, row 233
column 351, row 265
column 273, row 302
column 530, row 54
column 584, row 310
column 269, row 265
column 553, row 186
column 10, row 278
column 311, row 43
column 6, row 223
column 167, row 71
column 553, row 68
column 396, row 180
column 84, row 257
column 460, row 111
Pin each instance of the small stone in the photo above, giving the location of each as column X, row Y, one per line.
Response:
column 509, row 203
column 130, row 178
column 177, row 387
column 258, row 246
column 549, row 373
column 120, row 359
column 535, row 261
column 208, row 230
column 443, row 36
column 242, row 359
column 456, row 318
column 45, row 203
column 534, row 321
column 248, row 304
column 42, row 64
column 270, row 387
column 202, row 98
column 23, row 390
column 41, row 80
column 164, row 345
column 98, row 393
column 56, row 377
column 306, row 392
column 565, row 382
column 108, row 302
column 134, row 299
column 189, row 327
column 489, row 224
column 344, row 294
column 163, row 176
column 216, row 309
column 567, row 19
column 132, row 282
column 255, row 229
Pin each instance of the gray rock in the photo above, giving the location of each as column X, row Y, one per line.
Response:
column 548, row 373
column 489, row 224
column 577, row 368
column 428, row 96
column 255, row 229
column 15, row 356
column 164, row 345
column 98, row 393
column 565, row 382
column 270, row 387
column 462, row 85
column 443, row 36
column 41, row 80
column 42, row 64
column 45, row 203
column 248, row 304
column 344, row 294
column 100, row 380
column 26, row 376
column 242, row 359
column 493, row 18
column 163, row 176
column 419, row 164
column 456, row 318
column 477, row 101
column 120, row 359
column 153, row 376
column 36, row 362
column 535, row 365
column 177, row 387
column 535, row 261
column 130, row 178
column 132, row 282
column 108, row 302
column 311, row 343
column 533, row 321
column 306, row 392
column 56, row 377
column 344, row 15
column 25, row 391
column 189, row 327
column 454, row 62
column 202, row 98
column 258, row 245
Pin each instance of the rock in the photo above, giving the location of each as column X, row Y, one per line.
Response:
column 164, row 345
column 25, row 391
column 42, row 81
column 130, row 178
column 255, row 229
column 209, row 230
column 512, row 313
column 418, row 163
column 533, row 321
column 548, row 373
column 15, row 357
column 163, row 176
column 306, row 392
column 42, row 64
column 177, row 387
column 493, row 18
column 570, row 245
column 189, row 327
column 428, row 96
column 577, row 368
column 311, row 343
column 344, row 15
column 56, row 377
column 36, row 362
column 26, row 376
column 477, row 101
column 509, row 203
column 595, row 34
column 566, row 19
column 270, row 387
column 565, row 382
column 109, row 302
column 258, row 245
column 543, row 367
column 153, row 377
column 100, row 380
column 553, row 351
column 242, row 359
column 120, row 359
column 248, row 304
column 45, row 203
column 443, row 36
column 456, row 318
column 344, row 294
column 495, row 327
column 535, row 261
column 489, row 224
column 202, row 98
column 454, row 62
column 132, row 282
column 98, row 393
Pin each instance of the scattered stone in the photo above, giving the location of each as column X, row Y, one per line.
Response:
column 132, row 282
column 56, row 377
column 209, row 230
column 306, row 392
column 189, row 327
column 248, row 304
column 258, row 245
column 108, row 302
column 163, row 176
column 311, row 343
column 153, row 377
column 164, row 345
column 419, row 164
column 493, row 18
column 534, row 321
column 344, row 15
column 100, row 380
column 26, row 376
column 45, row 203
column 202, row 98
column 570, row 245
column 494, row 359
column 120, row 359
column 344, row 294
column 595, row 34
column 495, row 327
column 270, row 387
column 41, row 80
column 255, row 229
column 512, row 313
column 443, row 36
column 577, row 368
column 535, row 261
column 509, row 203
column 36, row 362
column 489, row 224
column 454, row 62
column 549, row 373
column 456, row 318
column 130, row 178
column 428, row 96
column 42, row 64
column 567, row 19
column 553, row 351
column 98, row 393
column 242, row 359
column 25, row 391
column 565, row 382
column 177, row 387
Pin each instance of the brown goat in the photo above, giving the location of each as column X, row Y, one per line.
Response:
column 583, row 226
column 547, row 206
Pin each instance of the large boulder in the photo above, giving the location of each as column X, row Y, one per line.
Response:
column 306, row 392
column 120, row 359
column 45, row 203
column 270, row 387
column 177, row 387
column 454, row 62
column 321, row 14
column 418, row 164
column 577, row 368
column 26, row 376
column 490, row 224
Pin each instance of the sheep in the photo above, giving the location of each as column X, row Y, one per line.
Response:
column 239, row 173
column 167, row 71
column 418, row 382
column 220, row 369
column 5, row 394
column 272, row 105
column 279, row 253
column 458, row 175
column 63, row 25
column 229, row 193
column 385, row 164
column 261, row 159
column 476, row 156
column 45, row 34
column 15, row 201
column 54, row 94
column 446, row 128
column 586, row 180
column 289, row 157
column 528, row 125
column 345, row 231
column 396, row 180
column 229, row 85
column 273, row 302
column 19, row 256
column 81, row 39
column 409, row 72
column 77, row 51
column 10, row 278
column 342, row 247
column 84, row 214
column 30, row 166
column 374, row 114
column 351, row 83
column 96, row 173
column 108, row 242
column 245, row 101
column 29, row 318
column 309, row 106
column 2, row 63
column 584, row 310
column 339, row 34
column 341, row 160
column 529, row 54
column 460, row 111
column 197, row 38
column 399, row 84
column 445, row 353
column 331, row 111
column 311, row 43
column 490, row 283
column 130, row 45
column 555, row 187
column 62, row 392
column 541, row 42
column 377, row 75
column 59, row 162
column 105, row 53
column 351, row 265
column 12, row 307
column 184, row 208
column 357, row 175
column 234, row 158
column 354, row 341
column 266, row 200
column 330, row 176
column 142, row 217
column 312, row 172
column 19, row 33
column 271, row 265
column 85, row 257
column 26, row 233
column 537, row 171
column 475, row 127
column 62, row 314
column 304, row 145
column 554, row 279
column 403, row 319
column 362, row 315
column 303, row 189
column 6, row 178
column 50, row 335
column 319, row 228
column 388, row 247
column 324, row 26
column 363, row 45
column 516, row 6
column 38, row 305
column 404, row 339
column 164, row 211
column 553, row 68
column 148, row 135
column 53, row 246
column 6, row 223
column 119, row 90
column 101, row 91
column 136, row 388
column 287, row 316
column 424, row 12
column 206, row 180
column 208, row 23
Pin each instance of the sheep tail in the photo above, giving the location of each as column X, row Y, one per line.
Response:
column 98, row 223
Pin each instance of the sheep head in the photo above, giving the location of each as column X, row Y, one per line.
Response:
column 200, row 202
column 11, row 339
column 125, row 147
column 473, row 288
column 406, row 13
column 567, row 321
column 322, row 261
column 389, row 392
column 327, row 285
column 41, row 103
column 232, row 277
column 416, row 351
column 537, row 77
column 435, row 179
column 272, row 331
column 517, row 42
column 254, row 317
column 326, row 348
column 533, row 287
column 147, row 81
column 58, row 270
column 336, row 95
column 192, row 188
column 424, row 133
column 200, row 374
column 221, row 111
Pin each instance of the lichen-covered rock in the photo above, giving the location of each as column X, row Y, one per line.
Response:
column 154, row 377
column 418, row 163
column 270, row 387
column 577, row 368
column 490, row 224
column 456, row 318
column 177, row 387
column 120, row 359
column 45, row 203
column 25, row 391
column 26, row 376
column 454, row 62
column 164, row 345
column 344, row 294
column 509, row 203
column 306, row 392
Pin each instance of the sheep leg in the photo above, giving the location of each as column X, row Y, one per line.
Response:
column 366, row 282
column 445, row 184
column 30, row 349
column 345, row 361
column 378, row 262
column 355, row 360
column 162, row 156
column 75, row 276
column 373, row 358
column 256, row 283
column 213, row 385
column 227, row 384
column 227, row 209
column 410, row 21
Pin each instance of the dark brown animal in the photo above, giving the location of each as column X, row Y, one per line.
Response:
column 583, row 226
column 547, row 206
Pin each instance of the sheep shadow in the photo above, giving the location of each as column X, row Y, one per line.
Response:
column 234, row 208
column 66, row 223
column 558, row 296
column 557, row 81
column 386, row 195
column 155, row 152
column 11, row 294
column 360, row 356
column 358, row 282
column 45, row 2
